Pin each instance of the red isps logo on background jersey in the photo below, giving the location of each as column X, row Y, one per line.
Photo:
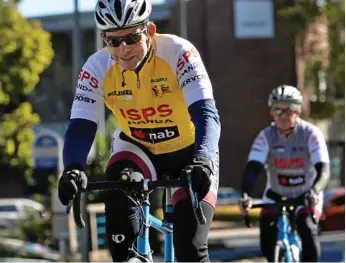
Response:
column 284, row 163
column 162, row 110
column 185, row 58
column 85, row 75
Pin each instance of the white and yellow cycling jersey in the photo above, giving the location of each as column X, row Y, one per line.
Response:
column 151, row 106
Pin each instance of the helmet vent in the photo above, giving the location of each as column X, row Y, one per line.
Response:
column 110, row 18
column 99, row 20
column 128, row 15
column 143, row 8
column 102, row 5
column 117, row 8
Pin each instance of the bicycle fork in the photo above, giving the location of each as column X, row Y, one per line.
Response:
column 295, row 243
column 283, row 233
column 288, row 238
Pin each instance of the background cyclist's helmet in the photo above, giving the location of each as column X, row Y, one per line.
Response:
column 285, row 94
column 120, row 14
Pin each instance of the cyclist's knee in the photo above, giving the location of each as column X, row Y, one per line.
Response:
column 306, row 227
column 115, row 168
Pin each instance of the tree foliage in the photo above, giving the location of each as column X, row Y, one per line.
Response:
column 325, row 70
column 25, row 51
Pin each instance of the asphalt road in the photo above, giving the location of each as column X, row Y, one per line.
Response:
column 246, row 247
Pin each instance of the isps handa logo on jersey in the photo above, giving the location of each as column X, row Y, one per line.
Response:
column 155, row 135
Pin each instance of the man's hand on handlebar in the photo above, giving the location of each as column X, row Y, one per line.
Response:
column 72, row 179
column 201, row 170
column 245, row 203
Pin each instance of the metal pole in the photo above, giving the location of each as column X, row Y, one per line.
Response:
column 78, row 57
column 102, row 120
column 183, row 18
column 77, row 42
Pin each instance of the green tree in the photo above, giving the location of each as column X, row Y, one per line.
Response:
column 335, row 12
column 25, row 52
column 325, row 70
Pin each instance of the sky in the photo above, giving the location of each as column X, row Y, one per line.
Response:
column 31, row 8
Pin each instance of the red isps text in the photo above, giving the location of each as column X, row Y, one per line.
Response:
column 85, row 75
column 289, row 163
column 185, row 58
column 162, row 110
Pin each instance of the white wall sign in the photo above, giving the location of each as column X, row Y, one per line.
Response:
column 254, row 19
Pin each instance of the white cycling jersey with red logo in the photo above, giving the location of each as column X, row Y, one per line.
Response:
column 289, row 161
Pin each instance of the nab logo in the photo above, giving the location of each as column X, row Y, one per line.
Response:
column 291, row 180
column 155, row 135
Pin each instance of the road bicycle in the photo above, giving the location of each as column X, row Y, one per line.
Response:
column 288, row 245
column 143, row 187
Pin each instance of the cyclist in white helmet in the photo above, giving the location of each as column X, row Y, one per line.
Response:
column 159, row 90
column 295, row 156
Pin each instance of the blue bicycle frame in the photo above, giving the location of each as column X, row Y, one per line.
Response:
column 287, row 239
column 165, row 227
column 145, row 186
column 287, row 235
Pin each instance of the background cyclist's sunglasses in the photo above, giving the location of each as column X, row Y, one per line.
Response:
column 129, row 39
column 279, row 112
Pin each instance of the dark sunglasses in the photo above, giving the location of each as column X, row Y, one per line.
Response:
column 279, row 112
column 129, row 39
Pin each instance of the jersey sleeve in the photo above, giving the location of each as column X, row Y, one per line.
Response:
column 259, row 149
column 317, row 147
column 89, row 96
column 192, row 75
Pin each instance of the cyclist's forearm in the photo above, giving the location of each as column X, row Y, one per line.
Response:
column 252, row 169
column 79, row 137
column 205, row 117
column 322, row 176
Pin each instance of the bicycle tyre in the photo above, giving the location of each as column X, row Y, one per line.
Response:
column 138, row 260
column 279, row 253
column 134, row 260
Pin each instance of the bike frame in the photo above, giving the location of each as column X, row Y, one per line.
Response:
column 286, row 234
column 166, row 227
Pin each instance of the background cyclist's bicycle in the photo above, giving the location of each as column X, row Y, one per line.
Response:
column 288, row 245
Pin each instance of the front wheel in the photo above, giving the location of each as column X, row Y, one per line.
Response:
column 134, row 260
column 279, row 253
column 138, row 260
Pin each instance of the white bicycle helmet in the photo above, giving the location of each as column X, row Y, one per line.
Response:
column 120, row 14
column 285, row 94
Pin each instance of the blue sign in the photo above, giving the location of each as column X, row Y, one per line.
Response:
column 46, row 140
column 46, row 149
